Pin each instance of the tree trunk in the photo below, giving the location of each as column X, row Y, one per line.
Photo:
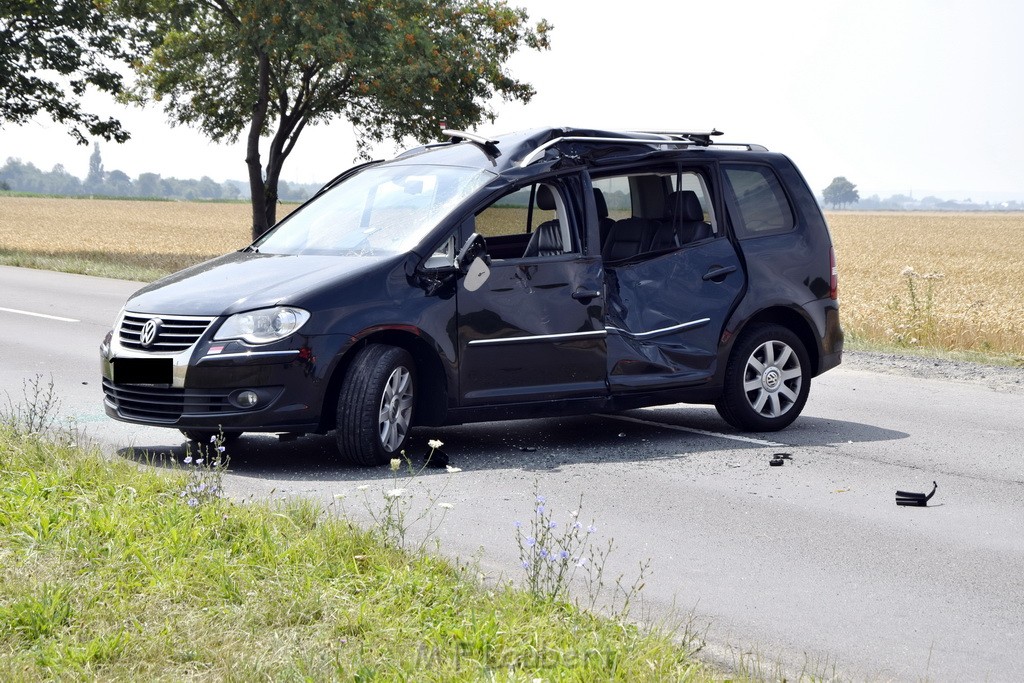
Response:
column 259, row 192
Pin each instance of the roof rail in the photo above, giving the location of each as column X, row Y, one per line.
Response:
column 665, row 138
column 702, row 138
column 490, row 147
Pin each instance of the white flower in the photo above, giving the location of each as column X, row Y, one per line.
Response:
column 445, row 506
column 362, row 487
column 907, row 271
column 395, row 493
column 339, row 496
column 434, row 443
column 395, row 464
column 452, row 470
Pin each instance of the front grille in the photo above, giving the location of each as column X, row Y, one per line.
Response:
column 174, row 332
column 159, row 404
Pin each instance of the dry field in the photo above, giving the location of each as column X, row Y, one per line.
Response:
column 976, row 304
column 964, row 291
column 123, row 227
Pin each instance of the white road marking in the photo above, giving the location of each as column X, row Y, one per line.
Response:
column 703, row 432
column 40, row 315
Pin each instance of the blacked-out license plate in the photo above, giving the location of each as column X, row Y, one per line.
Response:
column 142, row 370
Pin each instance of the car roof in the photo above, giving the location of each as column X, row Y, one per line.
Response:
column 547, row 147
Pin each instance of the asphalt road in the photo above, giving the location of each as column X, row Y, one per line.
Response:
column 806, row 567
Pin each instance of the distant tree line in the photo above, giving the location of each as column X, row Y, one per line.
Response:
column 902, row 202
column 18, row 176
column 841, row 193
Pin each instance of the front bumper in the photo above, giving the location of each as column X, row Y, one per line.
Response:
column 200, row 387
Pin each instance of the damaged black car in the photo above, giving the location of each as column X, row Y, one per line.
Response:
column 548, row 272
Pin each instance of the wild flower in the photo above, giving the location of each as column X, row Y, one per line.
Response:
column 554, row 557
column 203, row 482
column 453, row 470
column 392, row 513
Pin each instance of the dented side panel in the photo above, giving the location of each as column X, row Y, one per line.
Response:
column 665, row 319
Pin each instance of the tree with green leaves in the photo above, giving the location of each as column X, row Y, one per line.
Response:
column 840, row 193
column 395, row 69
column 51, row 53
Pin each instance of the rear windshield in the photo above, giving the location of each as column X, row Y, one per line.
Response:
column 380, row 211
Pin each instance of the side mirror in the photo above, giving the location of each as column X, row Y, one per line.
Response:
column 473, row 261
column 475, row 246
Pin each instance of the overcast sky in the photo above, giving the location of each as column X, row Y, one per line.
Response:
column 899, row 97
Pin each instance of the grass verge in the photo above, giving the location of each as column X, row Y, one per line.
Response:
column 140, row 267
column 108, row 571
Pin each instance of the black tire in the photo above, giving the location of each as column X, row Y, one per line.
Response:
column 766, row 381
column 203, row 436
column 375, row 405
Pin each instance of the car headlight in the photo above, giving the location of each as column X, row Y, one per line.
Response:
column 263, row 326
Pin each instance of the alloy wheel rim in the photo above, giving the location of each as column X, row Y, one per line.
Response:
column 772, row 379
column 395, row 413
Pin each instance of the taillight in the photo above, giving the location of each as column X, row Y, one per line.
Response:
column 833, row 282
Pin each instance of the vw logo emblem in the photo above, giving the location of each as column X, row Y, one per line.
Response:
column 149, row 332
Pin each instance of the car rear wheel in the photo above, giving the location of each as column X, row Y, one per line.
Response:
column 766, row 381
column 375, row 406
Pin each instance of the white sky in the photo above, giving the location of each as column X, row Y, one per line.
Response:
column 898, row 96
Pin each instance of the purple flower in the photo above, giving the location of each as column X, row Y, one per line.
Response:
column 544, row 553
column 540, row 509
column 526, row 565
column 552, row 525
column 187, row 460
column 564, row 555
column 591, row 529
column 577, row 525
column 519, row 524
column 540, row 499
column 192, row 502
column 531, row 541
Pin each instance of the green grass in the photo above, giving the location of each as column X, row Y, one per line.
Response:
column 859, row 343
column 139, row 267
column 107, row 572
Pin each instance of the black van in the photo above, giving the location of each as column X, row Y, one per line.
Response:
column 549, row 272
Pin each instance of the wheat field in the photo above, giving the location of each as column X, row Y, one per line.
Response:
column 944, row 280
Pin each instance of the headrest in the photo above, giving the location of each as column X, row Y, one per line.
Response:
column 549, row 239
column 545, row 198
column 602, row 205
column 684, row 205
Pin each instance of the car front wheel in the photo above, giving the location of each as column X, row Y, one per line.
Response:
column 766, row 381
column 375, row 407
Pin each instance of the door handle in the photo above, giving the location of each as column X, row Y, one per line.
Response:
column 585, row 295
column 718, row 274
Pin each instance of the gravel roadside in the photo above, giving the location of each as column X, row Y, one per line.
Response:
column 995, row 377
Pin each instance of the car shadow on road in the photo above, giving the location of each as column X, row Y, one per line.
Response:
column 531, row 445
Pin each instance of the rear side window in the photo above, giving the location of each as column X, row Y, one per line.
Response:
column 762, row 204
